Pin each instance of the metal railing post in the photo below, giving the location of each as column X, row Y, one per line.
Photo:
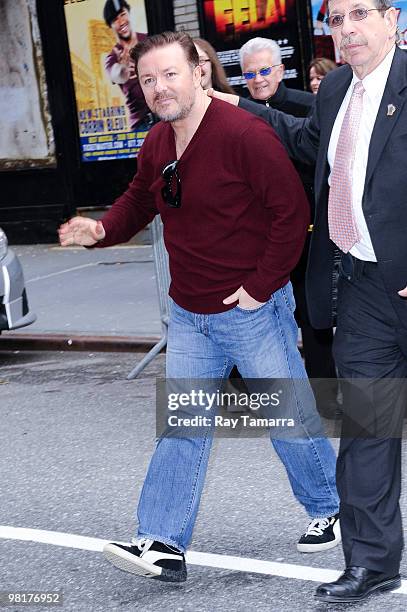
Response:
column 163, row 279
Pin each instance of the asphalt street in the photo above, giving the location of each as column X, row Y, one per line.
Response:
column 106, row 292
column 76, row 441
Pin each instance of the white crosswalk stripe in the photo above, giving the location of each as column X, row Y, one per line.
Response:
column 241, row 564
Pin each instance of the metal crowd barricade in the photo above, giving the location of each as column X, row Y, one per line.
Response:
column 163, row 279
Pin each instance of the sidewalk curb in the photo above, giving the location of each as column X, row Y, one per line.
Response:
column 63, row 342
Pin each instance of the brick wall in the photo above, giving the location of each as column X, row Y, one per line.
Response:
column 186, row 16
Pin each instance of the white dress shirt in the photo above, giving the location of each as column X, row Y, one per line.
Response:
column 374, row 84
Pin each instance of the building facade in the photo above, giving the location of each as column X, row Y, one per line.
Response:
column 46, row 88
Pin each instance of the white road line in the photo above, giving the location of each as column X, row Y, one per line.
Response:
column 88, row 265
column 55, row 538
column 241, row 564
column 31, row 363
column 36, row 278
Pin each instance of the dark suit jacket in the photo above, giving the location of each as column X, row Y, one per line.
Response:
column 299, row 104
column 385, row 191
column 292, row 101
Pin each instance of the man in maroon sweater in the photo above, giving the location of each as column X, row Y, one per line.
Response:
column 235, row 217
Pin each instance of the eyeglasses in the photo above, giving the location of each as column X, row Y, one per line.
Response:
column 168, row 173
column 335, row 21
column 262, row 72
column 202, row 61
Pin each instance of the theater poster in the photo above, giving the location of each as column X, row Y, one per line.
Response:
column 402, row 22
column 323, row 43
column 113, row 118
column 228, row 24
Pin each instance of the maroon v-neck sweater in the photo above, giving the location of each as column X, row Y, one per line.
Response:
column 243, row 215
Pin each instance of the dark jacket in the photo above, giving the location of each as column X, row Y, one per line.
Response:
column 300, row 104
column 384, row 197
column 292, row 101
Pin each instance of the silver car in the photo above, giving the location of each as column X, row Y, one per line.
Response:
column 14, row 311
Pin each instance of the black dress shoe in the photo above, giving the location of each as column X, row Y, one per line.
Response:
column 355, row 584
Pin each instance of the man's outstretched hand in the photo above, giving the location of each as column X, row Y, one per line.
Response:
column 403, row 292
column 231, row 98
column 81, row 231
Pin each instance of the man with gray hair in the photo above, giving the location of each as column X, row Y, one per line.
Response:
column 263, row 70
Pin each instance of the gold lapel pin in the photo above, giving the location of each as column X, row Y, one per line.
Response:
column 391, row 109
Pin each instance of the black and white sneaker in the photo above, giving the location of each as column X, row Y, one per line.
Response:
column 322, row 534
column 148, row 558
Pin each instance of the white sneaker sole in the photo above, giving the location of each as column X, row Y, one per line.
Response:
column 130, row 563
column 314, row 548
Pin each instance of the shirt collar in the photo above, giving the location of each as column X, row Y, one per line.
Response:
column 277, row 98
column 375, row 82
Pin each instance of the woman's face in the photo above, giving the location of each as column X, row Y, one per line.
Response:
column 315, row 80
column 206, row 68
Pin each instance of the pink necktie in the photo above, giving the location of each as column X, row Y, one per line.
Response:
column 342, row 225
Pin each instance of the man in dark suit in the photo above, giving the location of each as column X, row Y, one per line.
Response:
column 357, row 136
column 262, row 67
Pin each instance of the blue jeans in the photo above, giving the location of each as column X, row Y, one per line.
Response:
column 263, row 344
